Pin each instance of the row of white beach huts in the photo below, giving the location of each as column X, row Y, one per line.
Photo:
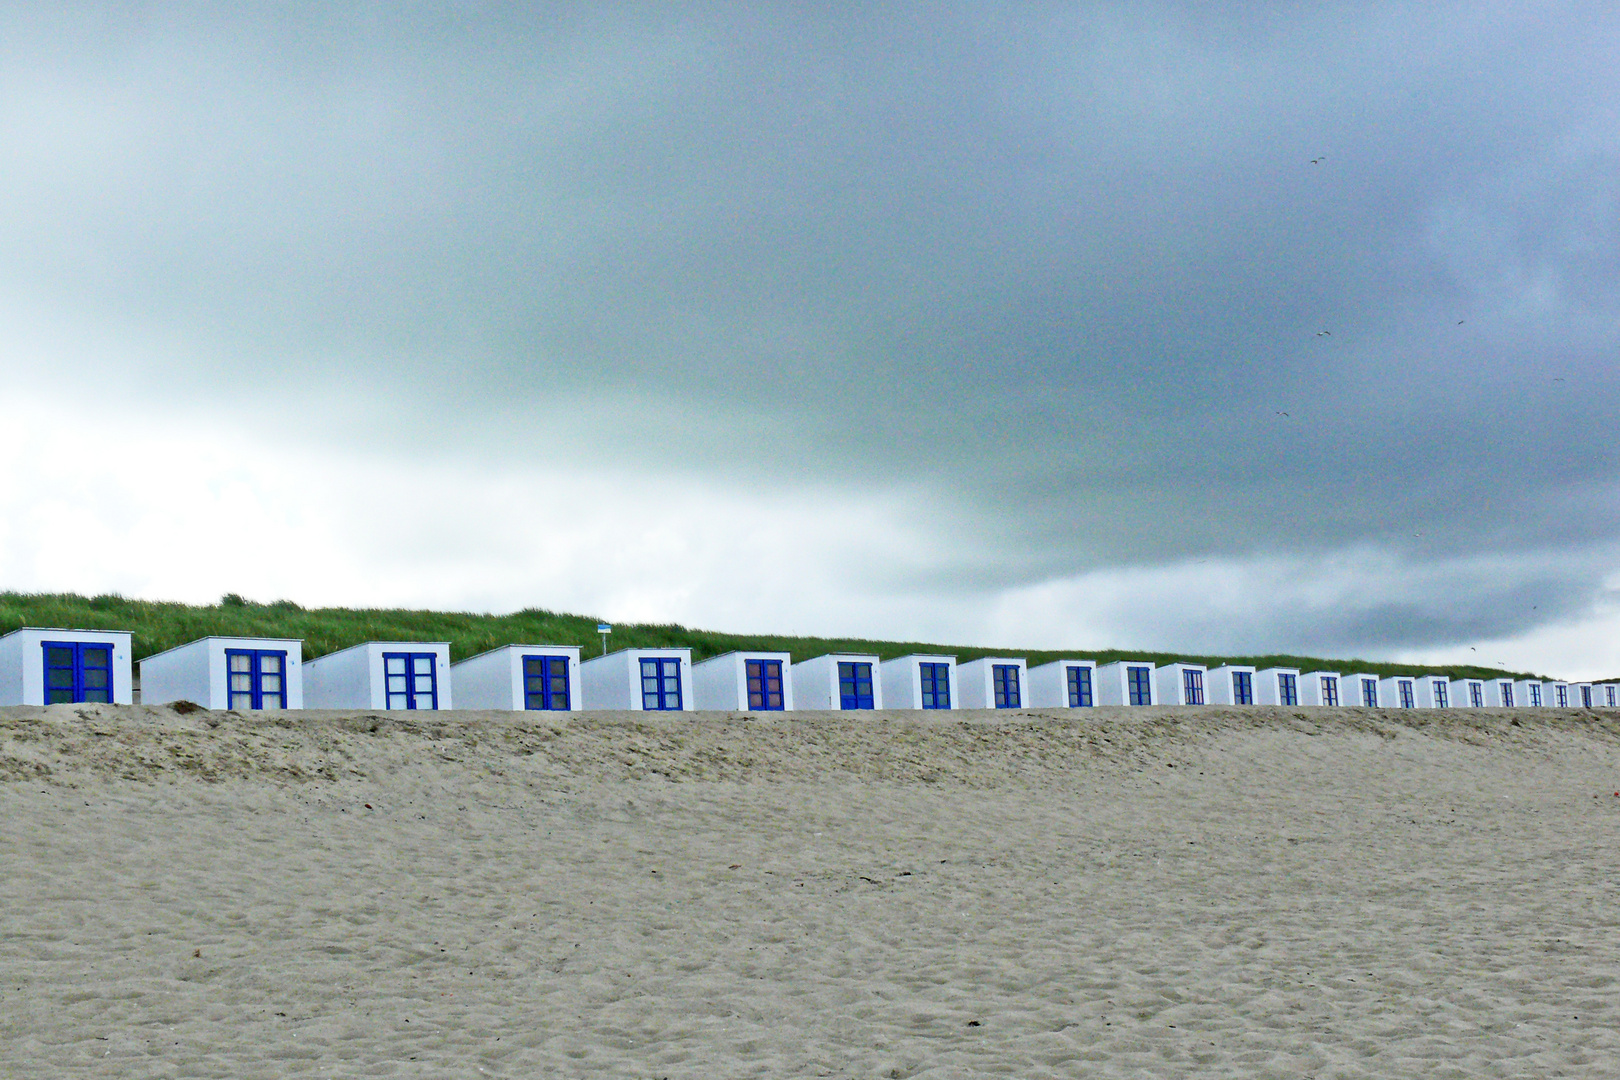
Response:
column 43, row 666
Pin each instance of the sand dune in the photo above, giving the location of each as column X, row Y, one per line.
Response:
column 1166, row 892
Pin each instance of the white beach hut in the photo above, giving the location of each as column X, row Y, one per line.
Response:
column 1230, row 684
column 1319, row 688
column 242, row 673
column 1398, row 691
column 1606, row 695
column 1528, row 694
column 1180, row 684
column 380, row 675
column 520, row 678
column 736, row 681
column 1063, row 684
column 1499, row 694
column 1360, row 689
column 1276, row 686
column 1467, row 693
column 919, row 681
column 1433, row 691
column 641, row 680
column 992, row 682
column 1581, row 693
column 41, row 666
column 837, row 681
column 1557, row 695
column 1126, row 682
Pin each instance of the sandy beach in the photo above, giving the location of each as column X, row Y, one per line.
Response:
column 1146, row 892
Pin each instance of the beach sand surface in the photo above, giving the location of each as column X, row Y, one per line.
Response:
column 1093, row 893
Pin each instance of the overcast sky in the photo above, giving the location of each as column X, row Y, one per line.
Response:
column 1218, row 327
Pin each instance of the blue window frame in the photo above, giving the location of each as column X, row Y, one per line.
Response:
column 1561, row 695
column 1242, row 688
column 1609, row 691
column 411, row 680
column 1369, row 693
column 1507, row 694
column 1535, row 695
column 1442, row 694
column 1139, row 681
column 1192, row 686
column 1004, row 677
column 1403, row 688
column 661, row 683
column 76, row 672
column 936, row 685
column 545, row 682
column 854, row 685
column 764, row 684
column 1476, row 694
column 1288, row 689
column 1080, row 687
column 1330, row 690
column 256, row 678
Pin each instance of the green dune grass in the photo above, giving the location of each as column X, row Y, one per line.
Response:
column 158, row 625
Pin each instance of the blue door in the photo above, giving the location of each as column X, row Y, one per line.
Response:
column 936, row 685
column 76, row 671
column 411, row 680
column 1287, row 690
column 255, row 679
column 854, row 685
column 1141, row 685
column 764, row 684
column 1242, row 688
column 545, row 682
column 1080, row 687
column 1192, row 686
column 1004, row 677
column 661, row 683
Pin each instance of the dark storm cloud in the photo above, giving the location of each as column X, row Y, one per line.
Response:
column 1129, row 282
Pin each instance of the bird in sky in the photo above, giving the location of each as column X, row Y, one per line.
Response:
column 1461, row 321
column 1318, row 160
column 1324, row 333
column 1281, row 413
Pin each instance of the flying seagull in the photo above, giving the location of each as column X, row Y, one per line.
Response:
column 1324, row 333
column 1318, row 160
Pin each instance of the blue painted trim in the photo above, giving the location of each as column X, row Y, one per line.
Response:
column 410, row 695
column 77, row 673
column 1288, row 689
column 764, row 683
column 661, row 683
column 854, row 685
column 1080, row 691
column 935, row 680
column 1139, row 682
column 1192, row 686
column 1242, row 688
column 255, row 692
column 545, row 682
column 1004, row 680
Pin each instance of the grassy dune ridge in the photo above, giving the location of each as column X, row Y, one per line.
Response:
column 158, row 625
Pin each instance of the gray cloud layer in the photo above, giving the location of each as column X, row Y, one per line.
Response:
column 1073, row 269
